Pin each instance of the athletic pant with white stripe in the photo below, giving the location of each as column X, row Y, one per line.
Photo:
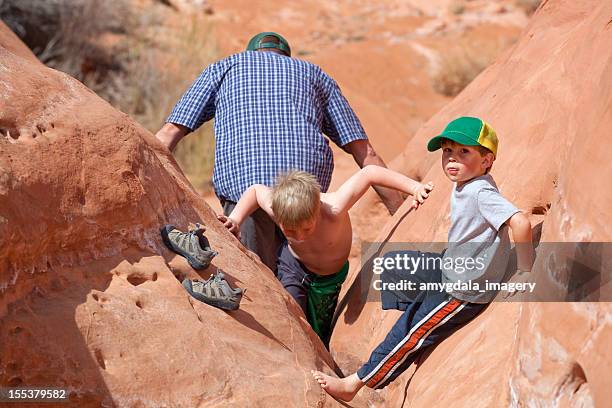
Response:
column 429, row 319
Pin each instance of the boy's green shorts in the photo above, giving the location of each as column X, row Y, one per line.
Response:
column 322, row 299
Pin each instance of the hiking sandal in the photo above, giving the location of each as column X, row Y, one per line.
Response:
column 192, row 245
column 214, row 291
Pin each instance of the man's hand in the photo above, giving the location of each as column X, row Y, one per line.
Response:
column 364, row 155
column 421, row 194
column 230, row 224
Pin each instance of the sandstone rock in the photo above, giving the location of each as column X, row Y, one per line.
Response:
column 190, row 6
column 549, row 100
column 89, row 296
column 89, row 300
column 12, row 43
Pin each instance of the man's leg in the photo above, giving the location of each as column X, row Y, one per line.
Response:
column 259, row 233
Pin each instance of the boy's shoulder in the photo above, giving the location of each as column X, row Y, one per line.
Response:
column 329, row 207
column 476, row 185
column 479, row 203
column 481, row 193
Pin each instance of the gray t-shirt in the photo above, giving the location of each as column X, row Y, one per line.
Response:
column 477, row 233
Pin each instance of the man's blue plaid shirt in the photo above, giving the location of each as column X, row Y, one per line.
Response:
column 270, row 115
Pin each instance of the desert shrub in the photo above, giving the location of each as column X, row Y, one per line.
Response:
column 529, row 6
column 152, row 95
column 127, row 57
column 65, row 34
column 457, row 8
column 192, row 52
column 462, row 62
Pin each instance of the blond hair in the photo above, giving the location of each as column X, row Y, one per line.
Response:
column 295, row 198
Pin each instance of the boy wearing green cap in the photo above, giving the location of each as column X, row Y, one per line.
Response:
column 480, row 216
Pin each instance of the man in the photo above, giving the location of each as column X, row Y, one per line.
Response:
column 271, row 112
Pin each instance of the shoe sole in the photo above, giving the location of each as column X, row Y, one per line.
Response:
column 194, row 263
column 221, row 304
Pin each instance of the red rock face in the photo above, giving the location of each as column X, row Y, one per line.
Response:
column 89, row 296
column 549, row 100
column 89, row 300
column 12, row 43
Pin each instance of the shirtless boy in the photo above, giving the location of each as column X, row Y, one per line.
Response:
column 313, row 262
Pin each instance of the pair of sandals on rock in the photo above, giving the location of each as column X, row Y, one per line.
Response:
column 194, row 246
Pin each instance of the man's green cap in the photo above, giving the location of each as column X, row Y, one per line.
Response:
column 257, row 43
column 469, row 132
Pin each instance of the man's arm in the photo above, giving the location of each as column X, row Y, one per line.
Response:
column 356, row 186
column 364, row 155
column 196, row 106
column 256, row 196
column 521, row 233
column 170, row 134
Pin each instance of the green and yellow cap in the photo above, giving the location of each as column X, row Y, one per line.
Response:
column 467, row 131
column 257, row 43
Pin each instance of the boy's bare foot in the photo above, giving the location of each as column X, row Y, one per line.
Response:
column 341, row 388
